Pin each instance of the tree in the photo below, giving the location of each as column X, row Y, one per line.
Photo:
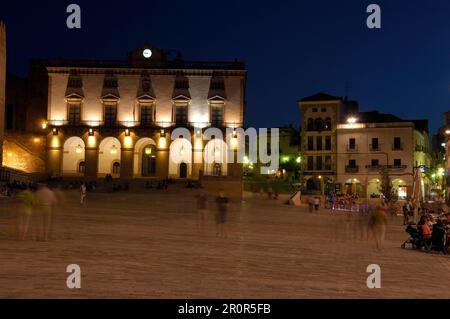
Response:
column 386, row 188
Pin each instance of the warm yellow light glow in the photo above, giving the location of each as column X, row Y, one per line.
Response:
column 55, row 142
column 148, row 151
column 36, row 140
column 113, row 149
column 447, row 131
column 128, row 141
column 9, row 154
column 378, row 180
column 351, row 120
column 78, row 149
column 246, row 160
column 44, row 125
column 234, row 142
column 91, row 140
column 162, row 142
column 355, row 180
column 320, row 177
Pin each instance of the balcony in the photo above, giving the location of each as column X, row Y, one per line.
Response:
column 375, row 147
column 352, row 148
column 351, row 169
column 397, row 167
column 374, row 167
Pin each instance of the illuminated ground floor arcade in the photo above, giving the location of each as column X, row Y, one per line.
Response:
column 128, row 155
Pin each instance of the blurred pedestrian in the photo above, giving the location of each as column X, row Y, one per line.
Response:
column 202, row 199
column 82, row 193
column 45, row 202
column 24, row 212
column 221, row 215
column 377, row 225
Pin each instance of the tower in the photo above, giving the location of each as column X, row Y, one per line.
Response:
column 2, row 85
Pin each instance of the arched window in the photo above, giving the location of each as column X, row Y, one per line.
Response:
column 310, row 124
column 319, row 124
column 328, row 124
column 81, row 167
column 116, row 168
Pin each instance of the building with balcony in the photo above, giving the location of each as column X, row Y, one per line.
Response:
column 321, row 113
column 117, row 117
column 374, row 141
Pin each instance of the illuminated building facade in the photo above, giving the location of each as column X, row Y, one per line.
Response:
column 116, row 117
column 343, row 150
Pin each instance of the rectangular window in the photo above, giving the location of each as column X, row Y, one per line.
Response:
column 352, row 163
column 375, row 145
column 351, row 143
column 310, row 143
column 146, row 115
column 328, row 163
column 310, row 163
column 74, row 116
column 110, row 115
column 323, row 109
column 328, row 142
column 375, row 163
column 181, row 115
column 319, row 143
column 397, row 143
column 314, row 109
column 319, row 163
column 217, row 115
column 397, row 162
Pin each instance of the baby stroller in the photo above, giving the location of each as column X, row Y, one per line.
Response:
column 415, row 239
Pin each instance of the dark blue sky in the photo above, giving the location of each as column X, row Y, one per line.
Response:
column 292, row 48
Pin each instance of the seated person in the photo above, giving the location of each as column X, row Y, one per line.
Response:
column 426, row 231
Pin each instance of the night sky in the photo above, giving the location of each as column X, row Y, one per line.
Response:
column 292, row 49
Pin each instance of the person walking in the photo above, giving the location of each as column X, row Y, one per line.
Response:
column 316, row 203
column 82, row 193
column 45, row 202
column 202, row 199
column 377, row 224
column 25, row 210
column 221, row 215
column 311, row 204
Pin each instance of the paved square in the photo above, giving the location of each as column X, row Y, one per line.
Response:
column 148, row 245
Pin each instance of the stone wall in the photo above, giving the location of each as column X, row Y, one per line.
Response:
column 24, row 152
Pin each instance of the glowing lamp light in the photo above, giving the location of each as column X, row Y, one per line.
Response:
column 91, row 140
column 320, row 177
column 246, row 160
column 148, row 151
column 78, row 149
column 285, row 159
column 378, row 180
column 447, row 131
column 128, row 141
column 44, row 125
column 9, row 154
column 36, row 140
column 113, row 149
column 351, row 120
column 443, row 144
column 355, row 180
column 299, row 159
